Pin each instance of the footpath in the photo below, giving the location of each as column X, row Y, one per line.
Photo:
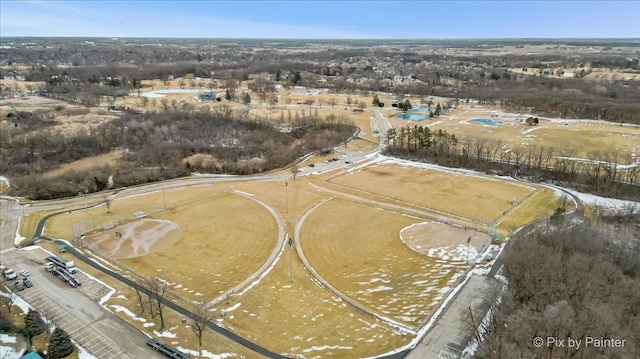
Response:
column 450, row 335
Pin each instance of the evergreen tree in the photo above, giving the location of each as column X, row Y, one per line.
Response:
column 406, row 106
column 438, row 109
column 278, row 75
column 60, row 344
column 376, row 101
column 34, row 324
column 296, row 78
column 246, row 99
column 227, row 95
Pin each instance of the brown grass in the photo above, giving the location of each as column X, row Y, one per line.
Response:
column 232, row 235
column 110, row 158
column 454, row 193
column 357, row 249
column 541, row 204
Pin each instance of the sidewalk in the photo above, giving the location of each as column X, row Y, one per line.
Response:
column 449, row 336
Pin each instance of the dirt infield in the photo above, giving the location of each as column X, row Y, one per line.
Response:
column 444, row 241
column 137, row 238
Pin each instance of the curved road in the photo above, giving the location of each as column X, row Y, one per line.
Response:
column 246, row 343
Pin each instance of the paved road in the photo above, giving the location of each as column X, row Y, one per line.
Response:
column 450, row 334
column 75, row 310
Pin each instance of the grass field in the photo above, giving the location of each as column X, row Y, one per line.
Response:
column 575, row 139
column 301, row 318
column 441, row 190
column 232, row 237
column 357, row 248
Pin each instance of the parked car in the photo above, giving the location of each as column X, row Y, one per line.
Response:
column 25, row 273
column 347, row 162
column 19, row 285
column 10, row 274
column 312, row 165
column 27, row 283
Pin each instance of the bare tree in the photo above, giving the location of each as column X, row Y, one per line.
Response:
column 201, row 316
column 158, row 292
column 8, row 299
column 332, row 102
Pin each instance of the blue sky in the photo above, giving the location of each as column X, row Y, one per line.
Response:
column 321, row 19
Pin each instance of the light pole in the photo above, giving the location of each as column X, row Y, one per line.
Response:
column 468, row 240
column 290, row 261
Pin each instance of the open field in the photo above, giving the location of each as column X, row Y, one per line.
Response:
column 233, row 236
column 302, row 319
column 578, row 138
column 110, row 158
column 357, row 249
column 539, row 205
column 444, row 191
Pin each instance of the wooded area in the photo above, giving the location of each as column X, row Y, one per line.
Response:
column 570, row 282
column 155, row 146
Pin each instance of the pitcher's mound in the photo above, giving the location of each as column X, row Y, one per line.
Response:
column 444, row 241
column 135, row 238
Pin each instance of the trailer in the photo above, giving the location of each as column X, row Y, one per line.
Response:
column 68, row 266
column 62, row 274
column 166, row 350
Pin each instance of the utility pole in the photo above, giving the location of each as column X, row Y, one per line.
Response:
column 290, row 260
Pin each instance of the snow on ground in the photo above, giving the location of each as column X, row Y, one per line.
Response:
column 166, row 334
column 264, row 274
column 82, row 352
column 325, row 347
column 233, row 307
column 128, row 313
column 8, row 339
column 17, row 301
column 208, row 354
column 8, row 352
column 5, row 180
column 610, row 204
column 460, row 253
column 147, row 325
column 18, row 238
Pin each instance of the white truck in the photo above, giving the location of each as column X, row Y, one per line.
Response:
column 68, row 266
column 10, row 274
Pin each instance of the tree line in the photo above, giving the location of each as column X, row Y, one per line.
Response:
column 597, row 174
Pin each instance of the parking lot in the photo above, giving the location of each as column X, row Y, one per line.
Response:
column 76, row 310
column 82, row 332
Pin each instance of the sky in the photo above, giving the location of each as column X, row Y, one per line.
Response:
column 322, row 19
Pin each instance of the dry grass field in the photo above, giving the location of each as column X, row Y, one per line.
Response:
column 302, row 319
column 231, row 235
column 357, row 248
column 578, row 138
column 454, row 193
